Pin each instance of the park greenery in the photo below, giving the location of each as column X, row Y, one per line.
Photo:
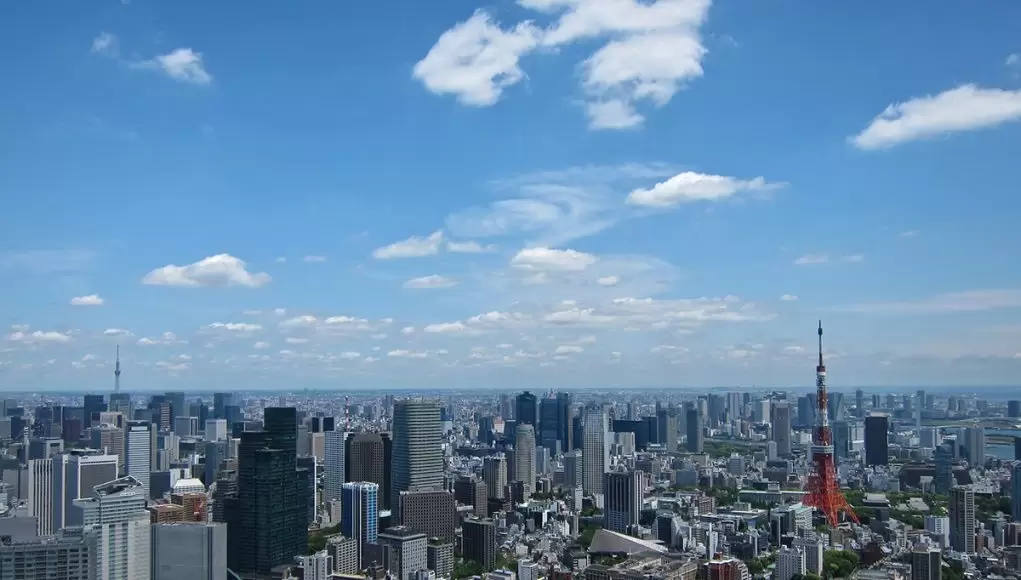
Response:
column 317, row 539
column 839, row 563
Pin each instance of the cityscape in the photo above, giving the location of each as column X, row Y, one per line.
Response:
column 505, row 486
column 510, row 290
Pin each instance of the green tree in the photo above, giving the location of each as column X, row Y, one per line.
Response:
column 465, row 568
column 839, row 563
column 587, row 533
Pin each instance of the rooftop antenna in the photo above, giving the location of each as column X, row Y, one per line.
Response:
column 117, row 372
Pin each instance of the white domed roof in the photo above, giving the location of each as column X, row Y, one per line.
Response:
column 188, row 485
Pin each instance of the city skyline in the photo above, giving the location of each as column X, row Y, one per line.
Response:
column 553, row 212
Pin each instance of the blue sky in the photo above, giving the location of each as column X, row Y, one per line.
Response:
column 541, row 193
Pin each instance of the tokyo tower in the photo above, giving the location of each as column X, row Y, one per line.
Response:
column 823, row 490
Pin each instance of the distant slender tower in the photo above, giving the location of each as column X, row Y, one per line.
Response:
column 823, row 490
column 117, row 372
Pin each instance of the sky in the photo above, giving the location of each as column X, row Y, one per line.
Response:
column 536, row 194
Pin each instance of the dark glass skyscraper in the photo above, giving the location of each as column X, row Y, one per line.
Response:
column 525, row 409
column 694, row 425
column 268, row 518
column 876, row 440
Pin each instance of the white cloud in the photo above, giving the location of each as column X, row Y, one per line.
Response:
column 182, row 64
column 968, row 301
column 1013, row 59
column 608, row 280
column 789, row 298
column 235, row 326
column 965, row 108
column 569, row 349
column 854, row 258
column 280, row 260
column 654, row 48
column 305, row 320
column 413, row 247
column 476, row 59
column 408, row 330
column 445, row 327
column 552, row 259
column 349, row 355
column 105, row 44
column 220, row 270
column 89, row 300
column 165, row 338
column 261, row 345
column 401, row 353
column 428, row 282
column 811, row 259
column 908, row 234
column 252, row 313
column 116, row 332
column 794, row 349
column 313, row 259
column 469, row 247
column 688, row 187
column 38, row 336
column 295, row 340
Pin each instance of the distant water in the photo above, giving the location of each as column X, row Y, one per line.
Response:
column 1002, row 451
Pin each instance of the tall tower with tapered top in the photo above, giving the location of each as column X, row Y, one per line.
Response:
column 823, row 489
column 117, row 372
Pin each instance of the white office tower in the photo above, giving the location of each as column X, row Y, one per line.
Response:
column 333, row 464
column 189, row 551
column 790, row 562
column 40, row 494
column 962, row 519
column 75, row 474
column 117, row 523
column 939, row 526
column 528, row 570
column 813, row 548
column 597, row 442
column 216, row 429
column 316, row 566
column 623, row 500
column 494, row 473
column 138, row 451
column 524, row 457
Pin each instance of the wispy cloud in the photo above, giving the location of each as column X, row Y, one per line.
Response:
column 967, row 301
column 689, row 187
column 182, row 64
column 89, row 300
column 965, row 108
column 816, row 259
column 430, row 282
column 413, row 247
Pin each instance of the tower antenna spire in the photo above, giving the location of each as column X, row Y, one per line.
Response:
column 820, row 345
column 117, row 372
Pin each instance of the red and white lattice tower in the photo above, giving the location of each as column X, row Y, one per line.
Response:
column 823, row 489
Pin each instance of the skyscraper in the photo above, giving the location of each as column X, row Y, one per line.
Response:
column 75, row 475
column 40, row 494
column 117, row 523
column 525, row 409
column 333, row 464
column 694, row 425
column 479, row 542
column 494, row 473
column 623, row 499
column 596, row 457
column 841, row 439
column 189, row 551
column 564, row 427
column 404, row 552
column 268, row 519
column 549, row 423
column 138, row 451
column 926, row 563
column 859, row 403
column 962, row 519
column 368, row 462
column 782, row 428
column 1015, row 492
column 359, row 517
column 524, row 457
column 944, row 479
column 975, row 440
column 220, row 403
column 417, row 461
column 877, row 427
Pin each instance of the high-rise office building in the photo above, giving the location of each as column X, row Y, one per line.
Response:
column 549, row 424
column 109, row 438
column 524, row 457
column 859, row 403
column 574, row 469
column 694, row 430
column 359, row 516
column 117, row 523
column 345, row 553
column 782, row 428
column 93, row 406
column 333, row 464
column 315, row 566
column 494, row 473
column 138, row 439
column 431, row 511
column 40, row 494
column 417, row 459
column 962, row 519
column 404, row 552
column 841, row 434
column 268, row 518
column 1013, row 409
column 623, row 500
column 596, row 456
column 975, row 442
column 479, row 542
column 220, row 403
column 1015, row 492
column 189, row 551
column 525, row 409
column 666, row 420
column 368, row 461
column 944, row 458
column 440, row 557
column 790, row 562
column 75, row 475
column 178, row 408
column 64, row 556
column 926, row 563
column 877, row 427
column 216, row 429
